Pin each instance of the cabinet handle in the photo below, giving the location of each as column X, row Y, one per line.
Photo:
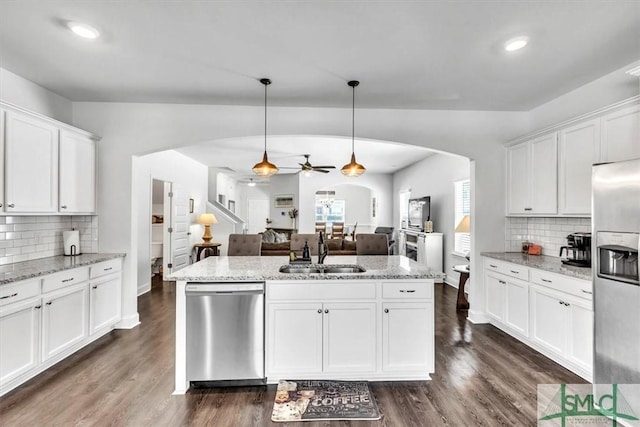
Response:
column 63, row 207
column 108, row 268
column 386, row 310
column 515, row 272
column 94, row 287
column 49, row 303
column 528, row 209
column 38, row 307
column 0, row 205
column 502, row 281
column 319, row 311
column 493, row 266
column 67, row 280
column 408, row 291
column 9, row 296
column 586, row 292
column 547, row 281
column 567, row 304
column 326, row 310
column 561, row 302
column 11, row 205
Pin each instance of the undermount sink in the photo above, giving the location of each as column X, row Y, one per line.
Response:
column 319, row 269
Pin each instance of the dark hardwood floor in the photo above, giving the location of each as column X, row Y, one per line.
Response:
column 483, row 377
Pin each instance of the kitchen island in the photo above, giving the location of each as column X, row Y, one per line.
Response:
column 373, row 325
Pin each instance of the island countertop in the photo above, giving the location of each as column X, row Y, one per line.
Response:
column 263, row 268
column 541, row 262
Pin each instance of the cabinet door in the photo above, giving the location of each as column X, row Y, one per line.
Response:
column 548, row 320
column 2, row 148
column 294, row 338
column 65, row 319
column 105, row 302
column 407, row 337
column 433, row 250
column 580, row 334
column 402, row 240
column 19, row 331
column 77, row 174
column 579, row 150
column 518, row 180
column 495, row 296
column 621, row 135
column 31, row 165
column 349, row 337
column 517, row 306
column 544, row 174
column 422, row 250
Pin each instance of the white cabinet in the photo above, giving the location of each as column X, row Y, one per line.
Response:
column 65, row 319
column 77, row 173
column 349, row 337
column 2, row 148
column 621, row 135
column 20, row 334
column 31, row 158
column 580, row 337
column 495, row 296
column 532, row 176
column 579, row 147
column 508, row 301
column 105, row 302
column 295, row 338
column 402, row 322
column 427, row 248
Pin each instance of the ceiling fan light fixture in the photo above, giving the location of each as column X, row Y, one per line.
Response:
column 265, row 167
column 353, row 168
column 251, row 182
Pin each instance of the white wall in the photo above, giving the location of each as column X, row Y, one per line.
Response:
column 358, row 205
column 246, row 193
column 227, row 186
column 26, row 94
column 168, row 166
column 282, row 184
column 434, row 176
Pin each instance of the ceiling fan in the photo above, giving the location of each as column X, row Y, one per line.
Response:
column 308, row 167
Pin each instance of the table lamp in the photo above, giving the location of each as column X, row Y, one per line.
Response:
column 207, row 219
column 464, row 227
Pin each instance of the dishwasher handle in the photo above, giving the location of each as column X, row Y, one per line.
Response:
column 224, row 288
column 223, row 293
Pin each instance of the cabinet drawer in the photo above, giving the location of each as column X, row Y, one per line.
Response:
column 320, row 291
column 577, row 287
column 507, row 268
column 64, row 279
column 104, row 268
column 407, row 290
column 19, row 291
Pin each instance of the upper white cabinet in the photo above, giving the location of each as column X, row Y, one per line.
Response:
column 77, row 173
column 621, row 135
column 532, row 177
column 579, row 150
column 46, row 167
column 31, row 150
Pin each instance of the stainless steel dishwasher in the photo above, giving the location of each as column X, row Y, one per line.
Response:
column 225, row 333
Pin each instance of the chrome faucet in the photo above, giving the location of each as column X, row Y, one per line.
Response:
column 323, row 249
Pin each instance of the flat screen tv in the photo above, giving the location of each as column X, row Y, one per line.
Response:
column 419, row 211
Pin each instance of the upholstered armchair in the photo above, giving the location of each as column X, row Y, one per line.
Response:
column 244, row 245
column 372, row 244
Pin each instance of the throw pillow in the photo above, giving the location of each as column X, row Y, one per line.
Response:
column 269, row 236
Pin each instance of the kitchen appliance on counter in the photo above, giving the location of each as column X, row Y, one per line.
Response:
column 578, row 250
column 225, row 333
column 616, row 228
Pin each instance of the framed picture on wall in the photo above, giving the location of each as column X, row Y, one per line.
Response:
column 232, row 206
column 283, row 201
column 373, row 207
column 222, row 199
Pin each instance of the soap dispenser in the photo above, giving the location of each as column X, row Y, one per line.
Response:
column 306, row 253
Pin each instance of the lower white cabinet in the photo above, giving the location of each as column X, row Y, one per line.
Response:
column 65, row 319
column 547, row 311
column 20, row 335
column 402, row 322
column 350, row 329
column 105, row 302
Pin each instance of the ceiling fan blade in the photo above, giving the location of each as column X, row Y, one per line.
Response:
column 324, row 167
column 320, row 170
column 288, row 167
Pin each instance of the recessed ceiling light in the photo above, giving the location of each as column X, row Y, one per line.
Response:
column 516, row 43
column 634, row 71
column 83, row 30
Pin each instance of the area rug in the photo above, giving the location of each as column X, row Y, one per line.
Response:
column 309, row 400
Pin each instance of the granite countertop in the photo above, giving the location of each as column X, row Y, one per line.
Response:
column 15, row 272
column 262, row 268
column 542, row 262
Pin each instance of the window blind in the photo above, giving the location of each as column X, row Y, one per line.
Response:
column 462, row 202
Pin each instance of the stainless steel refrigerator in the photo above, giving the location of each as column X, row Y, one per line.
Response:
column 616, row 240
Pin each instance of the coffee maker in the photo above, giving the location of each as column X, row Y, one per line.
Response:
column 578, row 250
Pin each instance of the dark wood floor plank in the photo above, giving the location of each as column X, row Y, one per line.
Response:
column 483, row 377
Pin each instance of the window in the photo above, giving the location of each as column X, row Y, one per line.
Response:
column 462, row 190
column 404, row 208
column 334, row 213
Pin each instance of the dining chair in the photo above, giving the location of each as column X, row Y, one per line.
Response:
column 298, row 241
column 321, row 226
column 244, row 245
column 372, row 244
column 337, row 230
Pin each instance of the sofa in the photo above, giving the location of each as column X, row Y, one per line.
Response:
column 335, row 246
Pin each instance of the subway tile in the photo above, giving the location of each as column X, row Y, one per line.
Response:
column 6, row 260
column 7, row 227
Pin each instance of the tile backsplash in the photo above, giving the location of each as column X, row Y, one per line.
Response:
column 550, row 233
column 24, row 238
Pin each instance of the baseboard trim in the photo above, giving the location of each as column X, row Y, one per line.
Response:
column 452, row 284
column 144, row 288
column 129, row 322
column 476, row 317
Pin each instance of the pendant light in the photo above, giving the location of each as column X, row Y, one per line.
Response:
column 265, row 168
column 353, row 168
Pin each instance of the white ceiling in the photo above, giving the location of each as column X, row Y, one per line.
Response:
column 406, row 54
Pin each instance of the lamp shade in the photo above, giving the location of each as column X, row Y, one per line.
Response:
column 207, row 219
column 465, row 225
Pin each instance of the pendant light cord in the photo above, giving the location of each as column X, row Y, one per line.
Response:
column 353, row 120
column 265, row 118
